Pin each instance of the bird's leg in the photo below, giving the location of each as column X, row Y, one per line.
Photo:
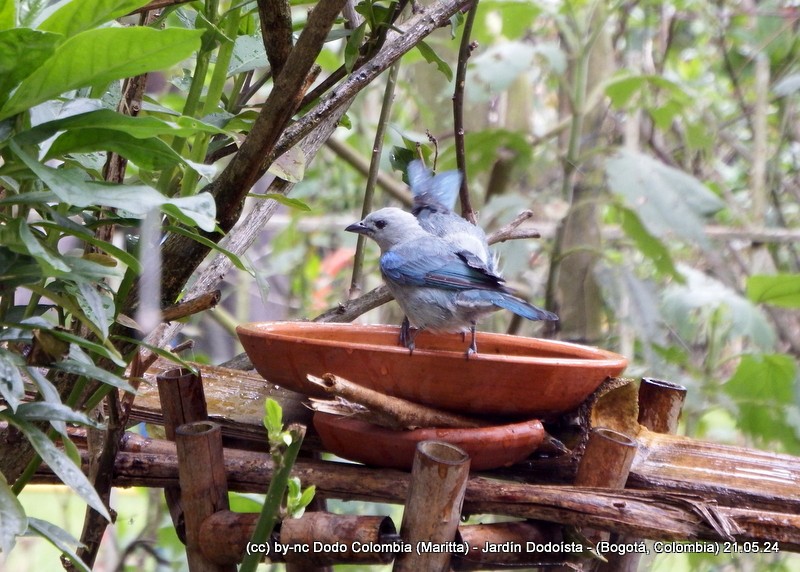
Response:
column 407, row 335
column 404, row 331
column 473, row 347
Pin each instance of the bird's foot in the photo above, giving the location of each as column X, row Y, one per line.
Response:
column 473, row 346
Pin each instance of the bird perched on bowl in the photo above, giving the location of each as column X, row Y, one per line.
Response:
column 436, row 287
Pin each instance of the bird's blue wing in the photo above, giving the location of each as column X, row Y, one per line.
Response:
column 416, row 267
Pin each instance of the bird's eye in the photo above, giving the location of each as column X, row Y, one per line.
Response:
column 380, row 223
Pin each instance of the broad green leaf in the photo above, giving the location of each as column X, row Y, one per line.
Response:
column 647, row 244
column 77, row 16
column 12, row 387
column 701, row 295
column 80, row 232
column 99, row 56
column 93, row 372
column 141, row 127
column 621, row 90
column 43, row 411
column 782, row 290
column 433, row 58
column 18, row 269
column 8, row 14
column 668, row 201
column 61, row 539
column 353, row 47
column 13, row 520
column 22, row 51
column 248, row 54
column 91, row 302
column 71, row 187
column 151, row 154
column 763, row 377
column 60, row 463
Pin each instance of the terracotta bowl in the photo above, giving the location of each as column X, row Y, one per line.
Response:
column 487, row 447
column 510, row 375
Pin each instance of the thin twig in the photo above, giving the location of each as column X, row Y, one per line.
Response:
column 374, row 169
column 458, row 112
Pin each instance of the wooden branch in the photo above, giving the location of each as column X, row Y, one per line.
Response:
column 654, row 514
column 276, row 32
column 191, row 306
column 398, row 42
column 400, row 413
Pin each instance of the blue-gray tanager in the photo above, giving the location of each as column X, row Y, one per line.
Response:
column 435, row 286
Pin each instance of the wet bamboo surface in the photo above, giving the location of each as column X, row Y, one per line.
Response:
column 678, row 488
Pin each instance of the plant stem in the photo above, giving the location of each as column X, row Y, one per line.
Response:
column 272, row 503
column 374, row 169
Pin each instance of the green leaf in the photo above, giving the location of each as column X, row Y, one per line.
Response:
column 248, row 54
column 60, row 463
column 283, row 199
column 8, row 15
column 13, row 520
column 151, row 154
column 621, row 90
column 93, row 372
column 49, row 260
column 763, row 385
column 12, row 387
column 353, row 47
column 77, row 16
column 782, row 290
column 61, row 539
column 91, row 302
column 44, row 411
column 647, row 244
column 80, row 232
column 71, row 187
column 273, row 417
column 702, row 295
column 668, row 201
column 22, row 51
column 100, row 56
column 141, row 127
column 433, row 58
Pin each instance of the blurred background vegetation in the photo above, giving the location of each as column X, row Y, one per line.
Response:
column 657, row 144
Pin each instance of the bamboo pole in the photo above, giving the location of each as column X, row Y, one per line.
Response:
column 433, row 507
column 606, row 463
column 660, row 404
column 204, row 489
column 182, row 400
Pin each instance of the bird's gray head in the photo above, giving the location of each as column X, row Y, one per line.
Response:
column 388, row 227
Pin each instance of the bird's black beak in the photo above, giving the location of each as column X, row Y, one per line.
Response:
column 357, row 227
